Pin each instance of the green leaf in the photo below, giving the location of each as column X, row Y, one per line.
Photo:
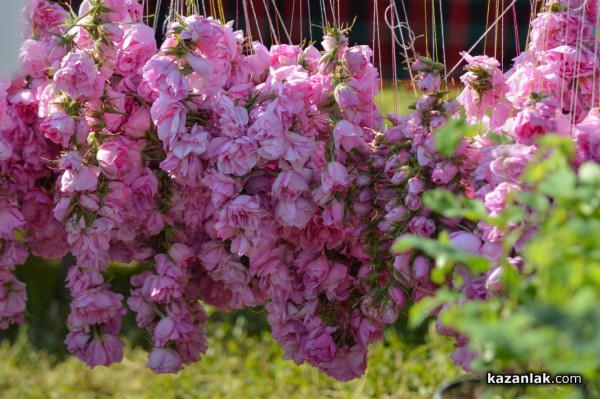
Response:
column 589, row 174
column 449, row 136
column 446, row 254
column 451, row 205
column 560, row 184
column 422, row 309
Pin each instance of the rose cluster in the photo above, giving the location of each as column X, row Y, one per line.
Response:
column 245, row 176
column 553, row 87
column 265, row 150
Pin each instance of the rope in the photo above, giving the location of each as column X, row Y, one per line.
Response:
column 444, row 43
column 596, row 57
column 309, row 20
column 256, row 21
column 482, row 37
column 282, row 22
column 402, row 43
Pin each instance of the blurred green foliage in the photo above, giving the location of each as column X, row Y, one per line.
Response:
column 546, row 319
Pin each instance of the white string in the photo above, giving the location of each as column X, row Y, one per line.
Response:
column 483, row 36
column 562, row 85
column 578, row 63
column 379, row 46
column 247, row 21
column 443, row 40
column 402, row 41
column 292, row 19
column 597, row 39
column 282, row 22
column 309, row 20
column 324, row 13
column 270, row 22
column 256, row 21
column 156, row 14
column 204, row 8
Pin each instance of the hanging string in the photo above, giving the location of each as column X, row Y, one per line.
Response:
column 596, row 58
column 323, row 13
column 157, row 11
column 333, row 15
column 282, row 22
column 502, row 40
column 379, row 58
column 579, row 46
column 292, row 19
column 203, row 8
column 516, row 27
column 564, row 64
column 402, row 42
column 482, row 36
column 487, row 24
column 426, row 30
column 309, row 21
column 443, row 43
column 255, row 20
column 434, row 40
column 271, row 27
column 496, row 29
column 247, row 22
column 394, row 71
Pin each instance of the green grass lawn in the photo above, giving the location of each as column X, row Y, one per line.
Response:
column 236, row 366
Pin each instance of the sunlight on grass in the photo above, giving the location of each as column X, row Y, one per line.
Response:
column 236, row 365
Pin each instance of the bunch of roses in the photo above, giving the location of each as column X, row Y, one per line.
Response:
column 550, row 89
column 106, row 195
column 26, row 221
column 265, row 149
column 404, row 166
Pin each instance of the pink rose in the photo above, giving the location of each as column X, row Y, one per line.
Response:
column 444, row 172
column 78, row 77
column 231, row 119
column 294, row 213
column 164, row 360
column 137, row 123
column 244, row 212
column 59, row 128
column 496, row 200
column 33, row 58
column 269, row 133
column 348, row 136
column 95, row 306
column 162, row 75
column 421, row 267
column 509, row 161
column 222, row 187
column 84, row 179
column 233, row 156
column 137, row 46
column 289, row 185
column 6, row 150
column 10, row 218
column 466, row 241
column 319, row 345
column 104, row 351
column 26, row 105
column 120, row 157
column 334, row 177
column 345, row 96
column 422, row 226
column 314, row 274
column 169, row 116
column 357, row 58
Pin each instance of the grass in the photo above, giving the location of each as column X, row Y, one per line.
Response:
column 235, row 365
